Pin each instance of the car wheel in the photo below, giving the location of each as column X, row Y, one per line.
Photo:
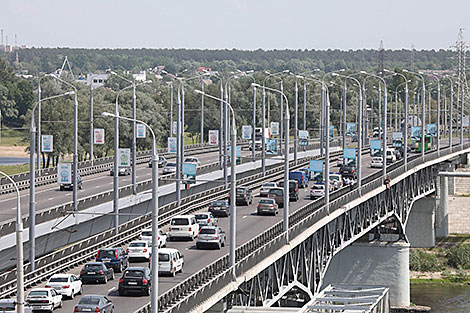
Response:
column 147, row 292
column 218, row 246
column 223, row 243
column 119, row 269
column 181, row 270
column 80, row 291
column 112, row 276
column 72, row 294
column 60, row 303
column 61, row 188
column 121, row 292
column 173, row 274
column 105, row 279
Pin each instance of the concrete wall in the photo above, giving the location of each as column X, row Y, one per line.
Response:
column 420, row 226
column 374, row 263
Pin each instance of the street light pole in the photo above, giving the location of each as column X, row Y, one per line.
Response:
column 296, row 124
column 423, row 113
column 91, row 122
column 253, row 147
column 305, row 105
column 202, row 113
column 450, row 110
column 178, row 149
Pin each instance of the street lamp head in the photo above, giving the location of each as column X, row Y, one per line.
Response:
column 148, row 81
column 334, row 74
column 285, row 71
column 107, row 114
column 405, row 70
column 250, row 71
column 341, row 70
column 255, row 85
column 317, row 70
column 267, row 72
column 386, row 70
column 198, row 91
column 363, row 72
column 299, row 76
column 69, row 93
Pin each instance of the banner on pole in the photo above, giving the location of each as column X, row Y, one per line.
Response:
column 175, row 128
column 349, row 153
column 246, row 132
column 350, row 129
column 189, row 173
column 64, row 173
column 397, row 135
column 331, row 132
column 316, row 166
column 171, row 144
column 47, row 144
column 275, row 128
column 141, row 131
column 431, row 129
column 213, row 137
column 124, row 157
column 376, row 144
column 271, row 146
column 303, row 137
column 98, row 136
column 415, row 132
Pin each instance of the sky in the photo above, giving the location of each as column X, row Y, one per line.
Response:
column 235, row 24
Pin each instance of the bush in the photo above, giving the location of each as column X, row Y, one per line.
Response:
column 459, row 277
column 459, row 257
column 424, row 262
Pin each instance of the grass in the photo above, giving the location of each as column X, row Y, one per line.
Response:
column 13, row 137
column 14, row 169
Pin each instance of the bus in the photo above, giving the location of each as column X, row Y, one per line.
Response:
column 428, row 144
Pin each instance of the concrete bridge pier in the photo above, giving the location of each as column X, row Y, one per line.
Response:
column 374, row 263
column 442, row 214
column 421, row 222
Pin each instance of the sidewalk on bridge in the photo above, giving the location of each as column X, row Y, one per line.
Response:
column 48, row 227
column 459, row 210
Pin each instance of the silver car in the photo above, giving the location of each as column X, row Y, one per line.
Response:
column 169, row 168
column 267, row 205
column 265, row 189
column 210, row 236
column 205, row 219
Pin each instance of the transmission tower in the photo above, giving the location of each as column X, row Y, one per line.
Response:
column 461, row 49
column 381, row 58
column 412, row 60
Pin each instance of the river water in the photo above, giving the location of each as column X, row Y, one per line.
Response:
column 442, row 299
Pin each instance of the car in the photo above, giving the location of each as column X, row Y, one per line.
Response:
column 169, row 168
column 278, row 195
column 183, row 226
column 317, row 177
column 376, row 162
column 67, row 285
column 293, row 189
column 135, row 279
column 336, row 180
column 243, row 195
column 192, row 160
column 220, row 208
column 307, row 172
column 116, row 258
column 44, row 299
column 265, row 188
column 170, row 261
column 69, row 186
column 146, row 234
column 140, row 249
column 348, row 170
column 206, row 219
column 9, row 306
column 267, row 205
column 390, row 156
column 161, row 162
column 211, row 236
column 122, row 171
column 94, row 303
column 96, row 272
column 318, row 190
column 300, row 177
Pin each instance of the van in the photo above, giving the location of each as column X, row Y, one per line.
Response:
column 293, row 189
column 277, row 194
column 300, row 177
column 183, row 226
column 170, row 261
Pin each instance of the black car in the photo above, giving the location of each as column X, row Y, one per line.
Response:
column 219, row 208
column 135, row 279
column 94, row 303
column 69, row 186
column 96, row 272
column 348, row 170
column 244, row 195
column 293, row 189
column 116, row 258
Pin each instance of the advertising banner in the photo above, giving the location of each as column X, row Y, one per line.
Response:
column 431, row 128
column 349, row 153
column 271, row 145
column 64, row 173
column 246, row 132
column 124, row 157
column 189, row 173
column 316, row 166
column 303, row 137
column 175, row 128
column 98, row 136
column 213, row 137
column 141, row 131
column 171, row 144
column 47, row 143
column 376, row 144
column 350, row 129
column 416, row 132
column 331, row 132
column 397, row 135
column 275, row 128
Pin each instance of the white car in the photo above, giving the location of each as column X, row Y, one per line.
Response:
column 192, row 160
column 169, row 168
column 183, row 226
column 336, row 180
column 146, row 235
column 139, row 249
column 317, row 191
column 265, row 189
column 376, row 162
column 170, row 261
column 44, row 299
column 67, row 285
column 390, row 156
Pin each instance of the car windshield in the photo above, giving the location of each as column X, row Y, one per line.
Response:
column 132, row 273
column 276, row 192
column 93, row 267
column 59, row 279
column 334, row 177
column 180, row 221
column 266, row 201
column 240, row 190
column 201, row 216
column 219, row 203
column 171, row 165
column 38, row 293
column 147, row 233
column 207, row 231
column 163, row 257
column 89, row 300
column 138, row 244
column 318, row 187
column 7, row 306
column 190, row 160
column 106, row 254
column 269, row 185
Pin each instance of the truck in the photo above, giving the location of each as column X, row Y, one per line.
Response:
column 259, row 137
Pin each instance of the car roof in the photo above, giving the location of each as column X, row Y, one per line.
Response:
column 61, row 275
column 270, row 199
column 40, row 289
column 137, row 241
column 94, row 263
column 167, row 250
column 205, row 213
column 93, row 296
column 136, row 268
column 146, row 229
column 209, row 227
column 7, row 300
column 183, row 216
column 109, row 248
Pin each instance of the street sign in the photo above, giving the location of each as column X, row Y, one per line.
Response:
column 65, row 173
column 124, row 157
column 213, row 137
column 98, row 136
column 275, row 128
column 141, row 131
column 246, row 132
column 431, row 128
column 47, row 144
column 171, row 144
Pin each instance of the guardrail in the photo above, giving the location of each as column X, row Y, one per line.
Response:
column 75, row 254
column 314, row 211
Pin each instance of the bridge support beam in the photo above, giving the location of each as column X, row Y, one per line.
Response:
column 379, row 263
column 442, row 214
column 421, row 222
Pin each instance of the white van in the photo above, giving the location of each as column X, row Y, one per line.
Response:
column 170, row 261
column 183, row 226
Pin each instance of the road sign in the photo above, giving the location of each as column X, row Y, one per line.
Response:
column 275, row 128
column 47, row 144
column 246, row 132
column 213, row 137
column 171, row 144
column 303, row 137
column 65, row 173
column 141, row 131
column 98, row 136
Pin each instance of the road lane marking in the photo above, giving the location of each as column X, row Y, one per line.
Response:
column 109, row 290
column 245, row 216
column 50, row 199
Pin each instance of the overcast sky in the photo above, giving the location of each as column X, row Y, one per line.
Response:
column 241, row 24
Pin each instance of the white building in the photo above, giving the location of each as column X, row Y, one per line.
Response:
column 97, row 80
column 141, row 77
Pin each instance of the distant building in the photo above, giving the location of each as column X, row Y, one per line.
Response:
column 141, row 77
column 97, row 80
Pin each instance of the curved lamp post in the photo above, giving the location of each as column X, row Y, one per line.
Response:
column 423, row 101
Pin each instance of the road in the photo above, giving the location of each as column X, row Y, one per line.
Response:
column 249, row 225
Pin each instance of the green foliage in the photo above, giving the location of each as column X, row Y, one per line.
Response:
column 424, row 262
column 459, row 277
column 459, row 257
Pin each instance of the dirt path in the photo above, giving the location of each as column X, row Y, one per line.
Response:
column 14, row 151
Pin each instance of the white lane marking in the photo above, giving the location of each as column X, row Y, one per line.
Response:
column 186, row 249
column 50, row 199
column 109, row 290
column 245, row 216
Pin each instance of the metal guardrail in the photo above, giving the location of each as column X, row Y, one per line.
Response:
column 314, row 211
column 75, row 254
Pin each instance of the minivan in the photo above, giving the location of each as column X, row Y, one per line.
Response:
column 183, row 226
column 293, row 189
column 300, row 177
column 170, row 261
column 278, row 195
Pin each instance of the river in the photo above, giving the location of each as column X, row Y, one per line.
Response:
column 442, row 299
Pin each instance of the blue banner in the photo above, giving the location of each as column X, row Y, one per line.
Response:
column 376, row 144
column 331, row 132
column 431, row 129
column 349, row 153
column 350, row 129
column 271, row 145
column 189, row 173
column 316, row 166
column 416, row 132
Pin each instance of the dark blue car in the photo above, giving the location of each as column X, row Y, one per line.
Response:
column 300, row 177
column 116, row 258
